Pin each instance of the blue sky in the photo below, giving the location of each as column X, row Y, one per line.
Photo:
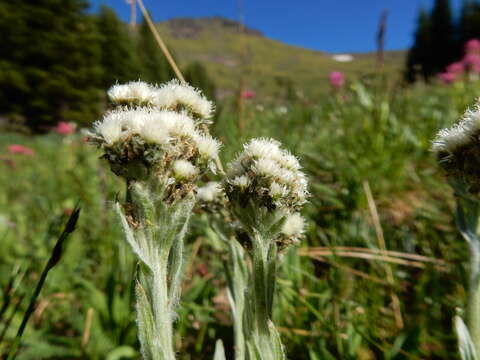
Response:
column 325, row 25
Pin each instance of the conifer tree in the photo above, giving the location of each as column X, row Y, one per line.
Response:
column 469, row 24
column 50, row 51
column 119, row 56
column 443, row 35
column 196, row 75
column 419, row 55
column 155, row 67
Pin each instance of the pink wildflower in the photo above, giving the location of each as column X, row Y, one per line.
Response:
column 447, row 77
column 64, row 128
column 456, row 67
column 337, row 79
column 20, row 149
column 472, row 62
column 248, row 94
column 472, row 46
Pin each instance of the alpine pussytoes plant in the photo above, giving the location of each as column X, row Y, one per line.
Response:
column 156, row 139
column 458, row 152
column 212, row 200
column 256, row 214
column 266, row 190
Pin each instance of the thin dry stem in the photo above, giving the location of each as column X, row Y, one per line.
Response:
column 160, row 42
column 381, row 242
column 368, row 256
column 389, row 254
column 87, row 328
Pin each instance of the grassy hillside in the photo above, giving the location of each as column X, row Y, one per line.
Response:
column 264, row 63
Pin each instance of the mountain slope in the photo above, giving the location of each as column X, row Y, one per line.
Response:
column 263, row 63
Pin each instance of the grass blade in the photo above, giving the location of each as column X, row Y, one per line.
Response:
column 54, row 259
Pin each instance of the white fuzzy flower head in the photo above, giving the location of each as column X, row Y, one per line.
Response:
column 121, row 123
column 292, row 231
column 180, row 124
column 210, row 192
column 267, row 175
column 458, row 150
column 154, row 130
column 175, row 96
column 132, row 93
column 110, row 129
column 263, row 148
column 459, row 135
column 242, row 182
column 142, row 142
column 294, row 225
column 208, row 147
column 276, row 190
column 184, row 169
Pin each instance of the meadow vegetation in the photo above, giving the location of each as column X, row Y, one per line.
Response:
column 366, row 151
column 382, row 271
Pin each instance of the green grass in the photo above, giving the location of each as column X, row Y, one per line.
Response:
column 325, row 310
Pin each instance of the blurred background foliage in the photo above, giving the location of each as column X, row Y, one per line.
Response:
column 328, row 306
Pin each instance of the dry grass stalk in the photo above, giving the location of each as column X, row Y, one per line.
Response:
column 369, row 256
column 160, row 42
column 391, row 256
column 87, row 328
column 381, row 242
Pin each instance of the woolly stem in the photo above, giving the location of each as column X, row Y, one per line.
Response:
column 259, row 275
column 467, row 215
column 237, row 285
column 473, row 312
column 156, row 235
column 262, row 339
column 162, row 313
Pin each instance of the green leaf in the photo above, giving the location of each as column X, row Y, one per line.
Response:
column 122, row 353
column 465, row 344
column 219, row 351
column 146, row 323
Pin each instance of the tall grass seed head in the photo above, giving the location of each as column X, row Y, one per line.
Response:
column 458, row 150
column 177, row 96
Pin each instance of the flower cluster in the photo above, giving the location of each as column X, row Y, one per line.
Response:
column 172, row 96
column 267, row 188
column 132, row 93
column 458, row 149
column 292, row 230
column 268, row 175
column 212, row 200
column 20, row 149
column 142, row 139
column 211, row 192
column 469, row 64
column 337, row 79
